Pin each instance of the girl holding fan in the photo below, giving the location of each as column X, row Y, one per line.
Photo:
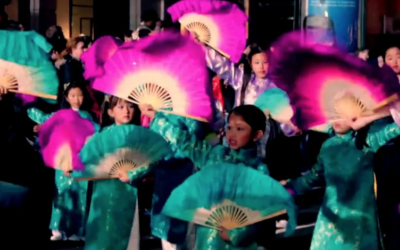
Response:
column 246, row 127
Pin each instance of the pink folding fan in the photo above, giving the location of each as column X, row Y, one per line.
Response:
column 166, row 70
column 62, row 137
column 101, row 50
column 218, row 24
column 325, row 84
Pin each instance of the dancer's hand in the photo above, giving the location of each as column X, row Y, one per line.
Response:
column 356, row 123
column 283, row 182
column 147, row 110
column 223, row 233
column 3, row 90
column 123, row 176
column 195, row 37
column 36, row 128
column 67, row 173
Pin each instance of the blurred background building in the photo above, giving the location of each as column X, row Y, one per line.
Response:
column 268, row 18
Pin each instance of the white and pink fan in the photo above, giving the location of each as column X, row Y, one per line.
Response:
column 218, row 24
column 166, row 70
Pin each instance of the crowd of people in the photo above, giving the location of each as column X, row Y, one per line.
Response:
column 104, row 213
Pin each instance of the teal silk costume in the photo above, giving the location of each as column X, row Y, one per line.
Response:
column 69, row 204
column 203, row 154
column 113, row 211
column 169, row 174
column 347, row 219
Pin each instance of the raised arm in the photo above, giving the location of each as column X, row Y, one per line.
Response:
column 38, row 116
column 197, row 150
column 380, row 138
column 224, row 68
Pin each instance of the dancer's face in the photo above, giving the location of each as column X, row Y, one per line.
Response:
column 78, row 50
column 239, row 134
column 260, row 64
column 341, row 127
column 75, row 98
column 122, row 113
column 392, row 59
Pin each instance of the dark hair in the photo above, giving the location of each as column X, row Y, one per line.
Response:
column 149, row 15
column 252, row 116
column 144, row 33
column 13, row 25
column 128, row 33
column 388, row 48
column 86, row 100
column 109, row 103
column 247, row 70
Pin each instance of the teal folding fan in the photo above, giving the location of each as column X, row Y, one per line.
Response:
column 121, row 149
column 230, row 196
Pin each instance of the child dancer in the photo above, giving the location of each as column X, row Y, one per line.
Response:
column 114, row 203
column 347, row 219
column 246, row 126
column 68, row 216
column 392, row 59
column 248, row 80
column 74, row 98
column 169, row 174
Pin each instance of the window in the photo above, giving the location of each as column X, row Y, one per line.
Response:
column 81, row 18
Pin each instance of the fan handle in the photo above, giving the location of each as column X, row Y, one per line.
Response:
column 382, row 104
column 279, row 213
column 95, row 178
column 187, row 116
column 46, row 96
column 184, row 31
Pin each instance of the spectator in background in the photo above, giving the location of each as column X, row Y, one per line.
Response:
column 150, row 22
column 14, row 25
column 363, row 54
column 392, row 59
column 55, row 35
column 128, row 36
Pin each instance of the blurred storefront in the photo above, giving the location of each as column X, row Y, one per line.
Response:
column 364, row 21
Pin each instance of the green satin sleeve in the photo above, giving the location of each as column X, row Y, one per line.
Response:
column 313, row 178
column 199, row 151
column 38, row 116
column 383, row 136
column 244, row 236
column 135, row 175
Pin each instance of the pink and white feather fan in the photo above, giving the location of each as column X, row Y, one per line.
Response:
column 166, row 70
column 62, row 137
column 218, row 24
column 97, row 55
